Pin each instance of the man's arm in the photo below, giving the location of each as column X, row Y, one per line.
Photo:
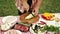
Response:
column 22, row 5
column 36, row 5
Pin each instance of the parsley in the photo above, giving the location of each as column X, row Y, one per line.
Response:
column 50, row 28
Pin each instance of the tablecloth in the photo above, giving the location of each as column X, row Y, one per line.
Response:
column 18, row 20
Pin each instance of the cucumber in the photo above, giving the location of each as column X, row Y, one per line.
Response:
column 29, row 17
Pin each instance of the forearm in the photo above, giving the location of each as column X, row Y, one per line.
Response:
column 17, row 3
column 38, row 4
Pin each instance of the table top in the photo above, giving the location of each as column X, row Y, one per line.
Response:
column 18, row 20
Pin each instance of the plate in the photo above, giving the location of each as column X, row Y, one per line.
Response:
column 11, row 31
column 53, row 22
column 9, row 19
column 8, row 22
column 48, row 22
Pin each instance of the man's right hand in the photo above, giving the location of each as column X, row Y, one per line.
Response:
column 26, row 6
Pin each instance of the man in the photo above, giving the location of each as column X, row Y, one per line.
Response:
column 24, row 6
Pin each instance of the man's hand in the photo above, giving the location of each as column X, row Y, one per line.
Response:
column 35, row 10
column 26, row 6
column 22, row 5
column 36, row 6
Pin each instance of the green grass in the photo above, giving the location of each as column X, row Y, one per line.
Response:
column 7, row 7
column 50, row 6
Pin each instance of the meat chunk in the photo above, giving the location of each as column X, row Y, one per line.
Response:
column 21, row 28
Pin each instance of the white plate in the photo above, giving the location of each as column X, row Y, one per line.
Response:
column 10, row 18
column 19, row 32
column 8, row 22
column 54, row 23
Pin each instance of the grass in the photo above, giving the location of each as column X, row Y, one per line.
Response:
column 50, row 6
column 7, row 7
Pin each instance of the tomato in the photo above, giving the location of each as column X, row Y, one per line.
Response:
column 46, row 17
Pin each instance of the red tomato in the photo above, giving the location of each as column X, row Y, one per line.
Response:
column 47, row 18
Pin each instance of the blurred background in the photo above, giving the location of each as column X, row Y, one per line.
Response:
column 7, row 7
